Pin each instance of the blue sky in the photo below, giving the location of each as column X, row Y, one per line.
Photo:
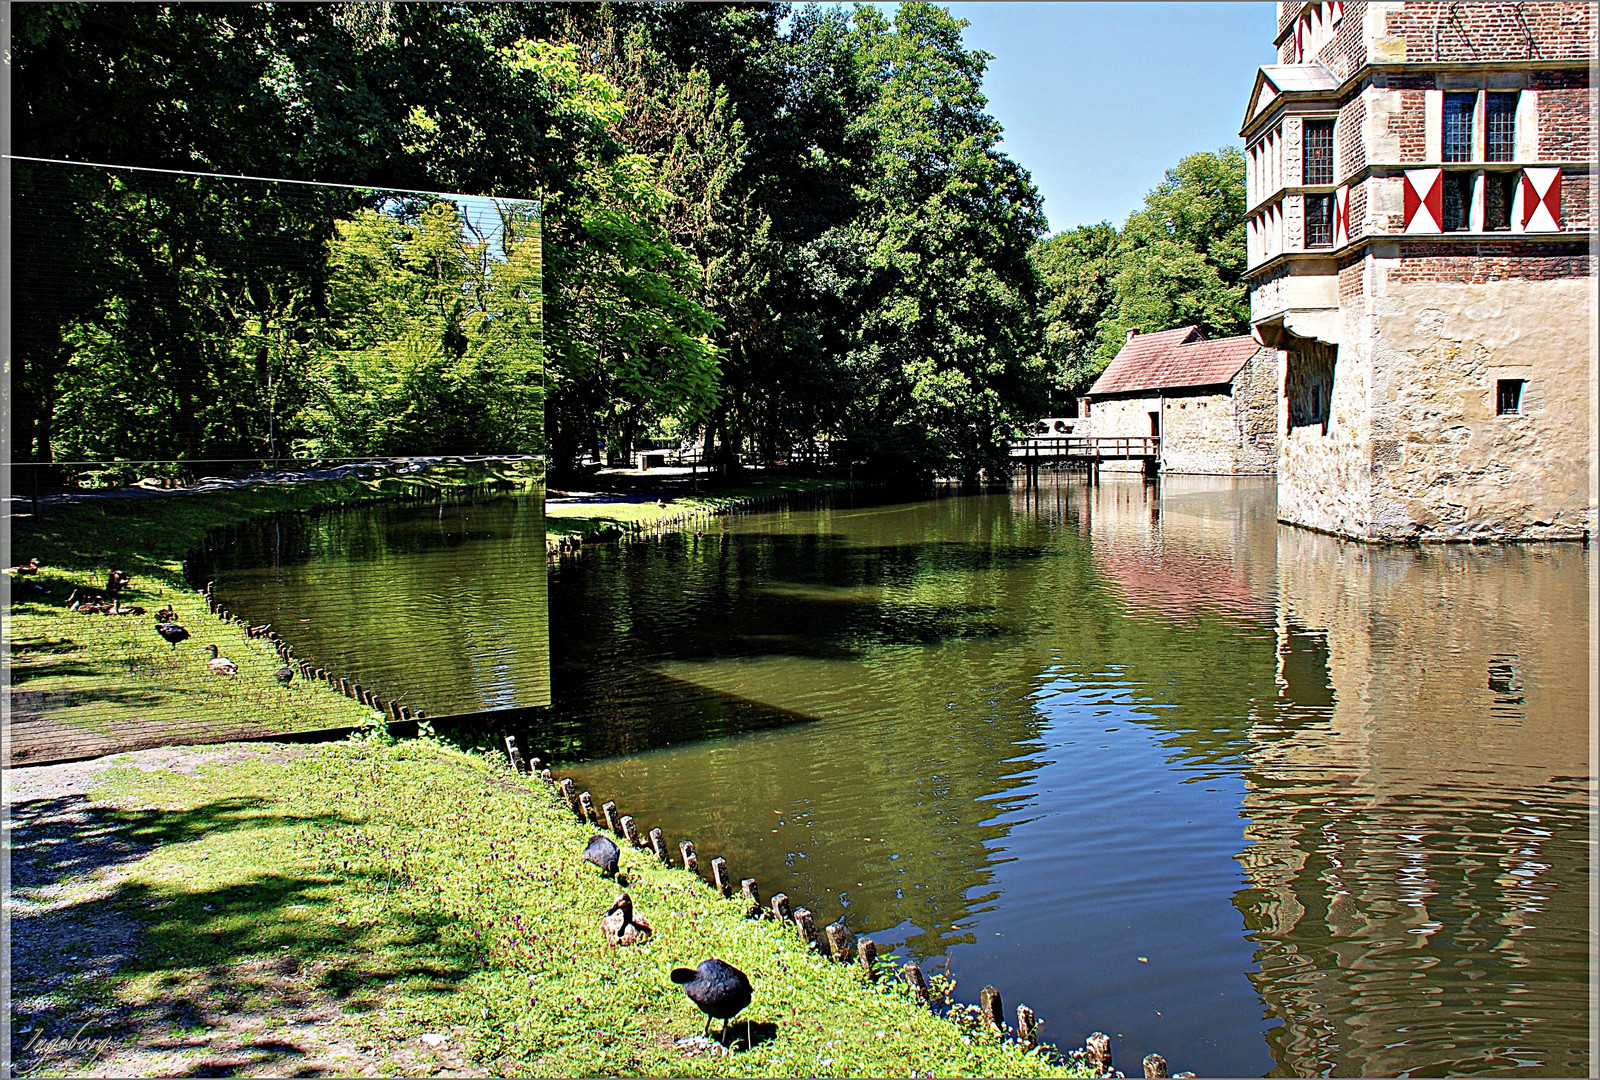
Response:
column 1099, row 99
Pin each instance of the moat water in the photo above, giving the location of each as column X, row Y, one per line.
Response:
column 1240, row 794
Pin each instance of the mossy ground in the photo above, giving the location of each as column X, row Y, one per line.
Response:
column 431, row 891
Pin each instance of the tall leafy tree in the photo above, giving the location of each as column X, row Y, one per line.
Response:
column 432, row 344
column 1076, row 269
column 947, row 361
column 1181, row 259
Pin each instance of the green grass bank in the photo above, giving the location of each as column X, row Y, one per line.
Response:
column 428, row 891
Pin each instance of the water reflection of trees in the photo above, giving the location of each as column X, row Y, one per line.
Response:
column 441, row 607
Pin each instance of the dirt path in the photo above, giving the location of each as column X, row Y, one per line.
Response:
column 75, row 930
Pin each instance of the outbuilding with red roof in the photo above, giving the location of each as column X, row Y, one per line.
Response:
column 1213, row 403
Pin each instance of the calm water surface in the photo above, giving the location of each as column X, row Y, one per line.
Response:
column 1243, row 795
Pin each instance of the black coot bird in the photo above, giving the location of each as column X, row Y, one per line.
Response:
column 285, row 675
column 603, row 853
column 172, row 633
column 720, row 990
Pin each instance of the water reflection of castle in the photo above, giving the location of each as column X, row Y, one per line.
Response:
column 1415, row 872
column 1421, row 842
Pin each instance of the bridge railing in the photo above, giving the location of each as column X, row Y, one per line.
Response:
column 1097, row 447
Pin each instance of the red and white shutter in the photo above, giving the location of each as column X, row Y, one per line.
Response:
column 1341, row 216
column 1335, row 12
column 1424, row 205
column 1536, row 207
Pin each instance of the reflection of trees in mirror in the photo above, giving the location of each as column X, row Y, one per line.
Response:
column 439, row 607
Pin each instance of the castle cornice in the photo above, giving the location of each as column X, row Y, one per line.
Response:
column 1340, row 254
column 1368, row 71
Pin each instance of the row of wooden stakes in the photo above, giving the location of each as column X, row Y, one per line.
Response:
column 835, row 940
column 390, row 707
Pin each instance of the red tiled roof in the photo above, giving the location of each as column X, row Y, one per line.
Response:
column 1173, row 358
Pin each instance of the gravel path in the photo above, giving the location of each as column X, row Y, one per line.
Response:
column 73, row 849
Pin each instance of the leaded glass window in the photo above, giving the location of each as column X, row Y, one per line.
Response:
column 1500, row 127
column 1319, row 221
column 1458, row 109
column 1498, row 191
column 1457, row 201
column 1318, row 144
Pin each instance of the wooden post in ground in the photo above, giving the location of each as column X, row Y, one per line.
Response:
column 630, row 831
column 546, row 777
column 568, row 794
column 719, row 876
column 609, row 810
column 690, row 863
column 1155, row 1066
column 586, row 807
column 841, row 942
column 1097, row 1053
column 753, row 895
column 806, row 926
column 992, row 1010
column 1027, row 1027
column 513, row 754
column 780, row 908
column 917, row 981
column 867, row 953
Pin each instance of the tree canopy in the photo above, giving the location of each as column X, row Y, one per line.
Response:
column 758, row 224
column 1180, row 261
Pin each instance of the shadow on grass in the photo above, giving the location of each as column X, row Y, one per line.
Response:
column 152, row 964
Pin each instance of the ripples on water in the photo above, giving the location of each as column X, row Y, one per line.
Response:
column 1244, row 795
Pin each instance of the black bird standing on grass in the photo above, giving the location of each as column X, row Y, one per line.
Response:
column 285, row 675
column 603, row 853
column 720, row 990
column 172, row 633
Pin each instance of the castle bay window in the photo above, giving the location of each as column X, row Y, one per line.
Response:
column 1500, row 127
column 1458, row 110
column 1319, row 221
column 1317, row 161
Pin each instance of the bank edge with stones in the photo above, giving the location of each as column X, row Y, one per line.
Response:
column 834, row 942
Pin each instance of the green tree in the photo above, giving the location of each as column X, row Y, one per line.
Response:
column 1076, row 269
column 432, row 344
column 1181, row 259
column 947, row 362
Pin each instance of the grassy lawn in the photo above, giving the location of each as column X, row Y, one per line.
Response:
column 427, row 891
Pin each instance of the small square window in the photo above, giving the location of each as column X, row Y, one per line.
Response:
column 1319, row 221
column 1317, row 158
column 1508, row 397
column 1458, row 110
column 1500, row 136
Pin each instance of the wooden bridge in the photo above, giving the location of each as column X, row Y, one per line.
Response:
column 1087, row 451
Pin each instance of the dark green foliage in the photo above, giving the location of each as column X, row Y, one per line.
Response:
column 1178, row 262
column 764, row 224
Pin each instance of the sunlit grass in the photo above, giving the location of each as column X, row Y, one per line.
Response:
column 430, row 891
